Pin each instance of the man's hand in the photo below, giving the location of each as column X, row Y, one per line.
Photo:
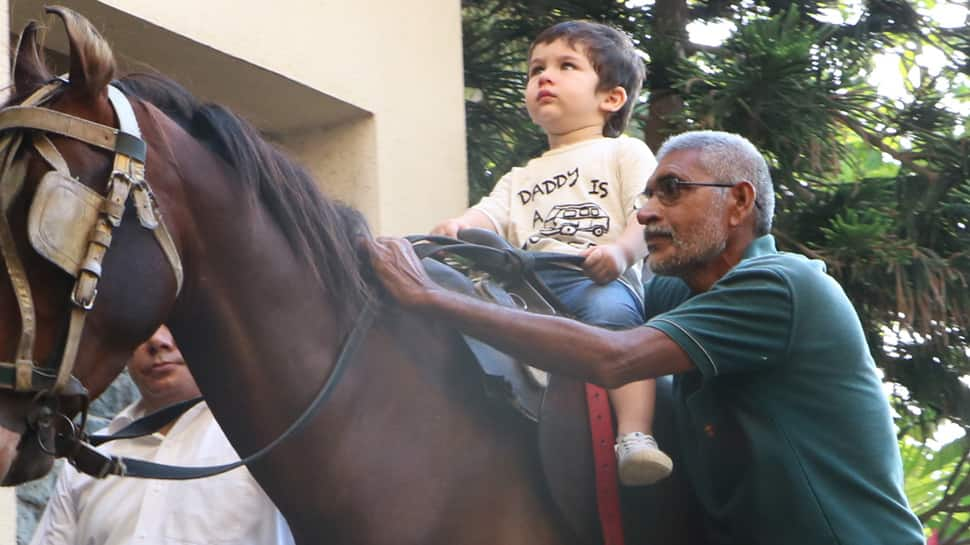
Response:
column 399, row 269
column 605, row 263
column 450, row 227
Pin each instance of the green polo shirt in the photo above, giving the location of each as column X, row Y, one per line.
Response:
column 785, row 428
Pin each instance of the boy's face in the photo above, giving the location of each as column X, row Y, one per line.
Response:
column 561, row 94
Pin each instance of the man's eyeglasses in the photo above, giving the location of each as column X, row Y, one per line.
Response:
column 668, row 190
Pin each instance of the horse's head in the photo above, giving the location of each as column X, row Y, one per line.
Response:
column 72, row 189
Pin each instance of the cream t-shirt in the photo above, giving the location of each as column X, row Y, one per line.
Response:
column 573, row 197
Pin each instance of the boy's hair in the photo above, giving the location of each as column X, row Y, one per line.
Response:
column 613, row 57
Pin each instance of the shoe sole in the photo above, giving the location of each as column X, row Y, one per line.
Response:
column 646, row 468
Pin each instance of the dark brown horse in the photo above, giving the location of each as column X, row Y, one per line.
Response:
column 407, row 450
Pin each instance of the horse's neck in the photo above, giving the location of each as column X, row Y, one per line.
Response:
column 407, row 432
column 252, row 319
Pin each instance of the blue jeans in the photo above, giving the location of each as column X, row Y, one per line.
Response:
column 612, row 305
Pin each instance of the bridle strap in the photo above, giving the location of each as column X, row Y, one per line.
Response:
column 127, row 171
column 49, row 153
column 11, row 182
column 23, row 362
column 90, row 461
column 41, row 380
column 89, row 132
column 127, row 178
column 144, row 201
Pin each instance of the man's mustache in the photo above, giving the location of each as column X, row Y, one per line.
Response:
column 657, row 232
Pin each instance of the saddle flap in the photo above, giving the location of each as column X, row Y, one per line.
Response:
column 567, row 457
column 61, row 218
column 504, row 379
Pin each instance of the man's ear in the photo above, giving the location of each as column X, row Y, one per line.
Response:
column 743, row 196
column 614, row 99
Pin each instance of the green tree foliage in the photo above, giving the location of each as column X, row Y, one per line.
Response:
column 937, row 486
column 877, row 186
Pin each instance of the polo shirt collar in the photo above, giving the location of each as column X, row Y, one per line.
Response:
column 763, row 245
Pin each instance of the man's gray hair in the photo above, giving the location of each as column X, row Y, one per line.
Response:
column 730, row 158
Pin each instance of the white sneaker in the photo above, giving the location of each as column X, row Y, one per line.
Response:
column 640, row 461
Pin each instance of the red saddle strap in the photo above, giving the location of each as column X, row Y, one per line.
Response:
column 604, row 456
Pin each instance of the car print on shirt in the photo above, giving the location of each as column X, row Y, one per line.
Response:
column 569, row 219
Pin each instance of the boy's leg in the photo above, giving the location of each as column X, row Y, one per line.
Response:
column 634, row 404
column 640, row 460
column 614, row 306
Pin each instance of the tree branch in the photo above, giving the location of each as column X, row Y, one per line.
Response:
column 801, row 247
column 876, row 142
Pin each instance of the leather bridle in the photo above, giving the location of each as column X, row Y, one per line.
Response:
column 29, row 120
column 27, row 124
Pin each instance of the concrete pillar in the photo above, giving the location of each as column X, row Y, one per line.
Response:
column 342, row 159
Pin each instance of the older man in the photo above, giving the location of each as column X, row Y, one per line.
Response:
column 785, row 427
column 230, row 509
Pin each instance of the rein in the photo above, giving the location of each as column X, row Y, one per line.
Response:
column 90, row 461
column 513, row 268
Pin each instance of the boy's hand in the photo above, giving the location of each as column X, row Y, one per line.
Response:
column 605, row 263
column 450, row 228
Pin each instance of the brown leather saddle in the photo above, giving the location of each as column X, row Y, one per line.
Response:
column 482, row 264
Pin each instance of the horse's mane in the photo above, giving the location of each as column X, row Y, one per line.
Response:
column 325, row 231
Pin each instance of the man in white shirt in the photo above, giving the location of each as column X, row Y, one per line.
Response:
column 230, row 509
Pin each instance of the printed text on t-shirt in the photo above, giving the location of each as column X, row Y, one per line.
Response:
column 546, row 187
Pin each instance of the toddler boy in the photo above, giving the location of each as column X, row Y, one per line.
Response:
column 579, row 198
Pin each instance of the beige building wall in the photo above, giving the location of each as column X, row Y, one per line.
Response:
column 368, row 94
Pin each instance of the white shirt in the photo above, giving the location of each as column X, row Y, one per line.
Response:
column 226, row 509
column 572, row 197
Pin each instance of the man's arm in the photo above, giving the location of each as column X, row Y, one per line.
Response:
column 559, row 345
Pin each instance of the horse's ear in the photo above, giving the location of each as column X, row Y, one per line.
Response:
column 92, row 63
column 29, row 70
